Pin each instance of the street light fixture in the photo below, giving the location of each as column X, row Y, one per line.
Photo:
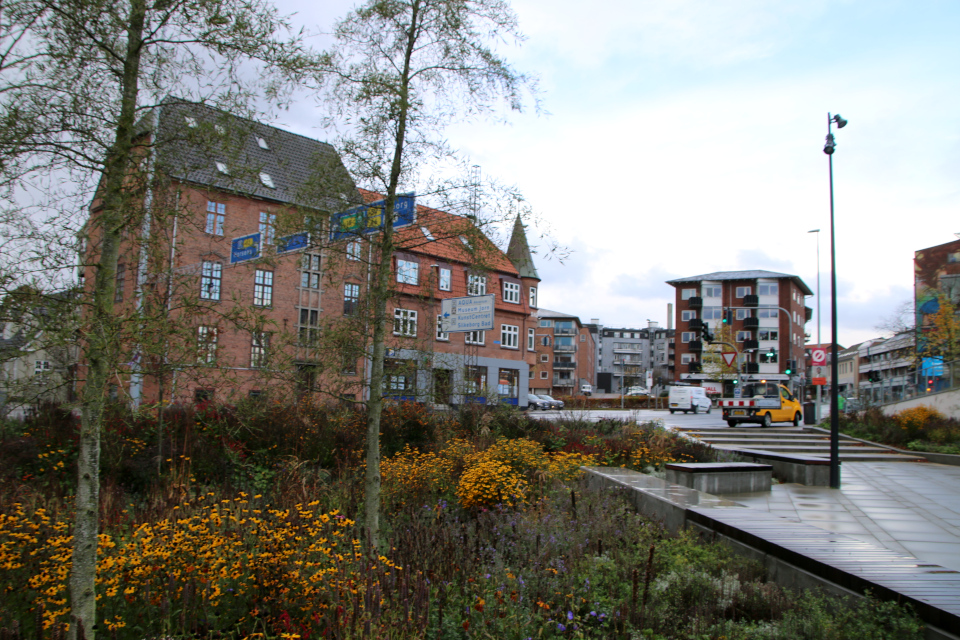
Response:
column 828, row 149
column 816, row 411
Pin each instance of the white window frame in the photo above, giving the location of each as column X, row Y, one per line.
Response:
column 268, row 224
column 686, row 294
column 544, row 357
column 41, row 366
column 216, row 215
column 475, row 337
column 687, row 315
column 348, row 299
column 533, row 297
column 263, row 288
column 546, row 323
column 708, row 291
column 743, row 314
column 544, row 375
column 687, row 358
column 441, row 335
column 211, row 280
column 206, row 344
column 509, row 336
column 773, row 288
column 408, row 272
column 405, row 322
column 687, row 337
column 742, row 292
column 511, row 292
column 476, row 285
column 259, row 348
column 770, row 338
column 353, row 251
column 531, row 339
column 310, row 271
column 768, row 313
column 743, row 336
column 445, row 280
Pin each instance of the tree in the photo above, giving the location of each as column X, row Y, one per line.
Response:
column 714, row 365
column 940, row 334
column 86, row 71
column 400, row 70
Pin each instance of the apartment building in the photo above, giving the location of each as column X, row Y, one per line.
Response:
column 766, row 315
column 255, row 253
column 627, row 355
column 887, row 370
column 566, row 354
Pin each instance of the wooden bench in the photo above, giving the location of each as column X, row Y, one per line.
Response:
column 721, row 477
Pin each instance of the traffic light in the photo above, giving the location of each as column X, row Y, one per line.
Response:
column 736, row 381
column 791, row 365
column 727, row 316
column 705, row 332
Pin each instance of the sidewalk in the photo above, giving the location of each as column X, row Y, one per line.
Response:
column 908, row 507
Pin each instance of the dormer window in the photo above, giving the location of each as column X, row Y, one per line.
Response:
column 263, row 144
column 267, row 180
column 191, row 122
column 222, row 168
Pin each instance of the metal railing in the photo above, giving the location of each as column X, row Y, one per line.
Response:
column 912, row 385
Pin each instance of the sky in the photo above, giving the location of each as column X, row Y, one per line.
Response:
column 685, row 137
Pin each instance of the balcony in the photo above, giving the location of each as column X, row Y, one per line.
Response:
column 694, row 367
column 695, row 303
column 558, row 382
column 565, row 366
column 695, row 324
column 751, row 301
column 751, row 323
column 557, row 331
column 750, row 344
column 696, row 345
column 565, row 347
column 751, row 367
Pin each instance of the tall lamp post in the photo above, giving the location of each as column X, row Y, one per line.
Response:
column 816, row 412
column 828, row 149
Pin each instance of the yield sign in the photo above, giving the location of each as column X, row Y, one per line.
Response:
column 729, row 357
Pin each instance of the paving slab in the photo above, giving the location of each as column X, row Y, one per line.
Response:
column 911, row 507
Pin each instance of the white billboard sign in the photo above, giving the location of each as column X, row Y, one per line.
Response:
column 474, row 313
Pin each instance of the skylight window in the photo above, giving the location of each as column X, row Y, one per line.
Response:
column 263, row 144
column 191, row 122
column 427, row 233
column 267, row 180
column 222, row 168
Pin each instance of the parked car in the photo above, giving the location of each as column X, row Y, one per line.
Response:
column 554, row 404
column 586, row 389
column 689, row 399
column 637, row 391
column 535, row 402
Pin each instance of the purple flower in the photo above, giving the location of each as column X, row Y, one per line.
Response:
column 560, row 627
column 593, row 613
column 569, row 615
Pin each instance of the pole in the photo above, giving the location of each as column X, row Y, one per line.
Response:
column 818, row 410
column 834, row 370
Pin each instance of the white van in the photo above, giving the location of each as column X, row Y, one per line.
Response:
column 586, row 389
column 689, row 399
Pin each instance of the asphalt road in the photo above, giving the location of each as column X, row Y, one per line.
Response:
column 713, row 420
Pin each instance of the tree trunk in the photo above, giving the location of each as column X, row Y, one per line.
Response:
column 102, row 347
column 381, row 293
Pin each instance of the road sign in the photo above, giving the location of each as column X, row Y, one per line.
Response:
column 245, row 248
column 286, row 244
column 729, row 357
column 737, row 392
column 368, row 218
column 474, row 313
column 818, row 382
column 818, row 357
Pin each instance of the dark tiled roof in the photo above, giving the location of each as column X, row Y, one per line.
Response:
column 192, row 138
column 751, row 274
column 519, row 252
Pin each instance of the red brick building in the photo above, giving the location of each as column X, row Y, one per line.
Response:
column 566, row 354
column 766, row 312
column 248, row 304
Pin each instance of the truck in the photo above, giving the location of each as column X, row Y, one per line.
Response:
column 763, row 403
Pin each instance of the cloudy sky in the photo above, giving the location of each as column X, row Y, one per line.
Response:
column 686, row 137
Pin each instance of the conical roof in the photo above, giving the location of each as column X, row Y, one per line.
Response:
column 519, row 252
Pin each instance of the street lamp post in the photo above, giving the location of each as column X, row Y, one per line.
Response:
column 828, row 149
column 816, row 411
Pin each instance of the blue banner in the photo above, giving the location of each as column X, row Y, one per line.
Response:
column 245, row 248
column 368, row 218
column 294, row 242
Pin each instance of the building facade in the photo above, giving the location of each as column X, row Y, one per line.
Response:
column 887, row 370
column 566, row 354
column 628, row 356
column 763, row 313
column 254, row 256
